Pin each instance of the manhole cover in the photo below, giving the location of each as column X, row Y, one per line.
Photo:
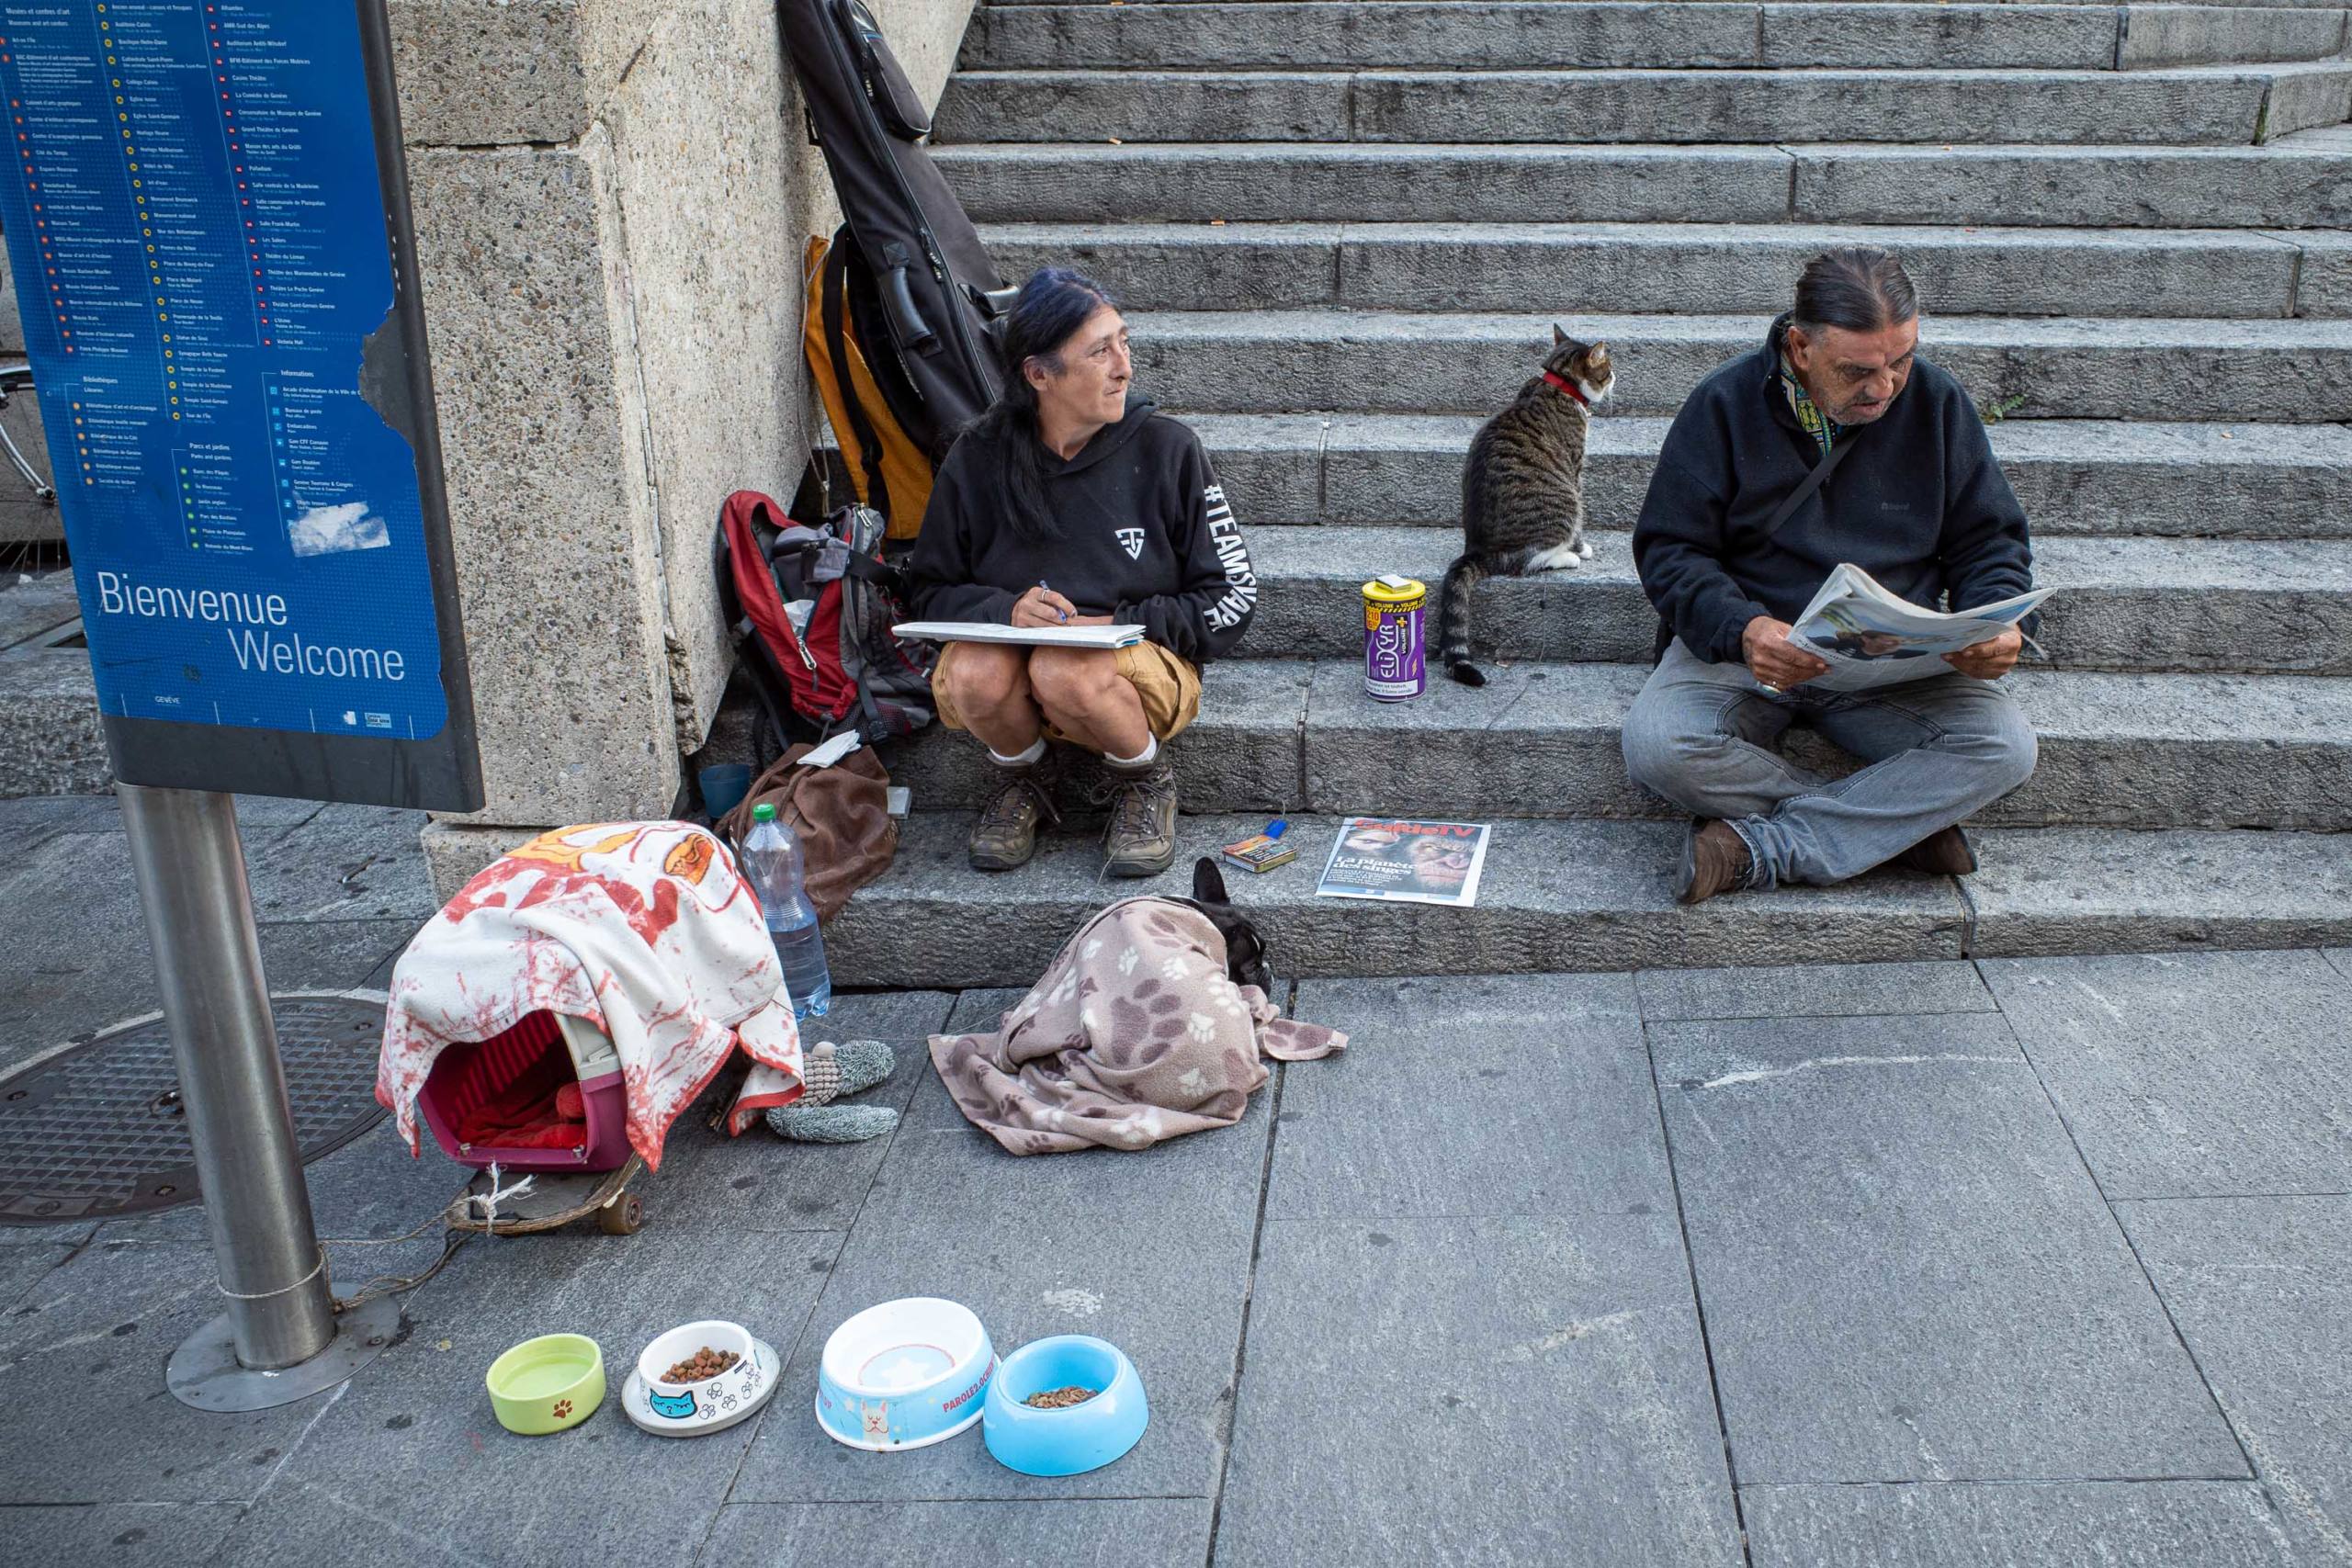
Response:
column 98, row 1130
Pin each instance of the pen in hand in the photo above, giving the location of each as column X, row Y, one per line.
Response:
column 1062, row 615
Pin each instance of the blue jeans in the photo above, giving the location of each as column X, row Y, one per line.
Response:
column 1703, row 736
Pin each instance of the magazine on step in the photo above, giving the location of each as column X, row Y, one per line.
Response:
column 1868, row 637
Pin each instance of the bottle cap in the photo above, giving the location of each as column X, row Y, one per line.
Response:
column 763, row 812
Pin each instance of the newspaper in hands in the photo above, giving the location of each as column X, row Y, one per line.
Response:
column 1870, row 637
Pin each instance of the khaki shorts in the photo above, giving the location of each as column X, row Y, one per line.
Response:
column 1168, row 685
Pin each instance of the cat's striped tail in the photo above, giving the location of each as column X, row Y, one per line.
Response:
column 1462, row 579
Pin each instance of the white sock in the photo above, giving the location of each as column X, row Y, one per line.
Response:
column 1140, row 760
column 1027, row 759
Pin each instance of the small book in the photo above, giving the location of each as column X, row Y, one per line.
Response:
column 1262, row 852
column 1035, row 636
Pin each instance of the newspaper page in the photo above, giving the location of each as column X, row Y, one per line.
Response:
column 1407, row 862
column 1870, row 637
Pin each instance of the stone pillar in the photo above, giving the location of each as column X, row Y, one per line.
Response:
column 612, row 197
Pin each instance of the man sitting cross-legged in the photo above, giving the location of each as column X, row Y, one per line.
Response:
column 1919, row 503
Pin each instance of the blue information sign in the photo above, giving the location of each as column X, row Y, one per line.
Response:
column 220, row 318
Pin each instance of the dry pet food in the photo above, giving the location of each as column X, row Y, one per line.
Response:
column 704, row 1363
column 1060, row 1398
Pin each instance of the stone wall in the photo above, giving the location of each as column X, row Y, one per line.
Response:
column 22, row 519
column 611, row 202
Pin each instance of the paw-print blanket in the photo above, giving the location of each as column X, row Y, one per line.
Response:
column 1134, row 1035
column 644, row 929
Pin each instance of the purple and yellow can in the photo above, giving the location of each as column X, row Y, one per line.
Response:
column 1396, row 659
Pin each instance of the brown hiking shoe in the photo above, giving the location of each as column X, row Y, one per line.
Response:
column 1006, row 834
column 1945, row 852
column 1715, row 860
column 1141, row 839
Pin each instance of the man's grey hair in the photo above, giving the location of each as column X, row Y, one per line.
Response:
column 1858, row 287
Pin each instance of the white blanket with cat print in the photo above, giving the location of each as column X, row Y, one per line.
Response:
column 1134, row 1035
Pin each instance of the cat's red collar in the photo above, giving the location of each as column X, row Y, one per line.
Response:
column 1563, row 384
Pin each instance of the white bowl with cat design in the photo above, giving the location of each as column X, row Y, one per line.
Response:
column 691, row 1402
column 904, row 1375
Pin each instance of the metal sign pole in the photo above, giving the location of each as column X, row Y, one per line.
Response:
column 279, row 1340
column 191, row 872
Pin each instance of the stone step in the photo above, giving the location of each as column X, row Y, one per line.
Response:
column 2304, row 181
column 2078, row 477
column 1272, row 361
column 1671, row 267
column 1541, row 739
column 1595, row 895
column 2123, row 604
column 2196, row 104
column 1547, row 34
column 2102, row 4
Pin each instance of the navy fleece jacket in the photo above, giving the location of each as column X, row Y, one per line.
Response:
column 1141, row 533
column 1919, row 503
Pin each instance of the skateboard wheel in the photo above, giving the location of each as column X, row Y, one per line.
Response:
column 625, row 1215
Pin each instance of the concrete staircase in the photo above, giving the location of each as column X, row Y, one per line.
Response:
column 1341, row 230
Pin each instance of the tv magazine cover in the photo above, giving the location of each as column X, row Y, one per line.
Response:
column 1407, row 862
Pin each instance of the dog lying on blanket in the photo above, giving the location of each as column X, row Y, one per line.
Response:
column 1152, row 1022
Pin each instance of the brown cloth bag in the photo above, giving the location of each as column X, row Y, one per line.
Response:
column 842, row 813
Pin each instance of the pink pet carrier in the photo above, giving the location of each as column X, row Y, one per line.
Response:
column 546, row 1095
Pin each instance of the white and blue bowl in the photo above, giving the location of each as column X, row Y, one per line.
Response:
column 1077, row 1437
column 904, row 1375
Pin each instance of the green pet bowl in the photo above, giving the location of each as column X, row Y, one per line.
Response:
column 547, row 1384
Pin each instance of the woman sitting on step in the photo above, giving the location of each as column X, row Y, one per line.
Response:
column 1071, row 503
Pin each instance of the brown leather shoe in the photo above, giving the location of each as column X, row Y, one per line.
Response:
column 1005, row 836
column 1715, row 860
column 1945, row 852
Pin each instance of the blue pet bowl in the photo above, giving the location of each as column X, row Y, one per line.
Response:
column 1077, row 1437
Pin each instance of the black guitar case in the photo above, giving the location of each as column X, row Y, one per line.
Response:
column 933, row 288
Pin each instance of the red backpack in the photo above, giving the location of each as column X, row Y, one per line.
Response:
column 834, row 664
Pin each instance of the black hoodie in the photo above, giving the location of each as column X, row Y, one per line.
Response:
column 1919, row 503
column 1141, row 533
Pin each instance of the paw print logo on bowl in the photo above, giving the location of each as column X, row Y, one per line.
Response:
column 562, row 1408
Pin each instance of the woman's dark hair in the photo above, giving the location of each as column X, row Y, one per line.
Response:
column 1858, row 287
column 1051, row 306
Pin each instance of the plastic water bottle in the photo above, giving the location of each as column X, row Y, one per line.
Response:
column 772, row 862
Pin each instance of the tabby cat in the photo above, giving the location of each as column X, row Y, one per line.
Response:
column 1522, row 488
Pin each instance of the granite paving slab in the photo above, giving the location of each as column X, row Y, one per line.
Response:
column 77, row 958
column 1518, row 1094
column 1132, row 1532
column 2262, row 1290
column 83, row 1355
column 759, row 1183
column 68, row 1235
column 344, row 863
column 1519, row 1390
column 1907, row 1272
column 118, row 1535
column 1816, row 990
column 409, row 1461
column 2342, row 958
column 27, row 820
column 25, row 1265
column 1170, row 1293
column 2193, row 1524
column 2200, row 1074
column 941, row 1168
